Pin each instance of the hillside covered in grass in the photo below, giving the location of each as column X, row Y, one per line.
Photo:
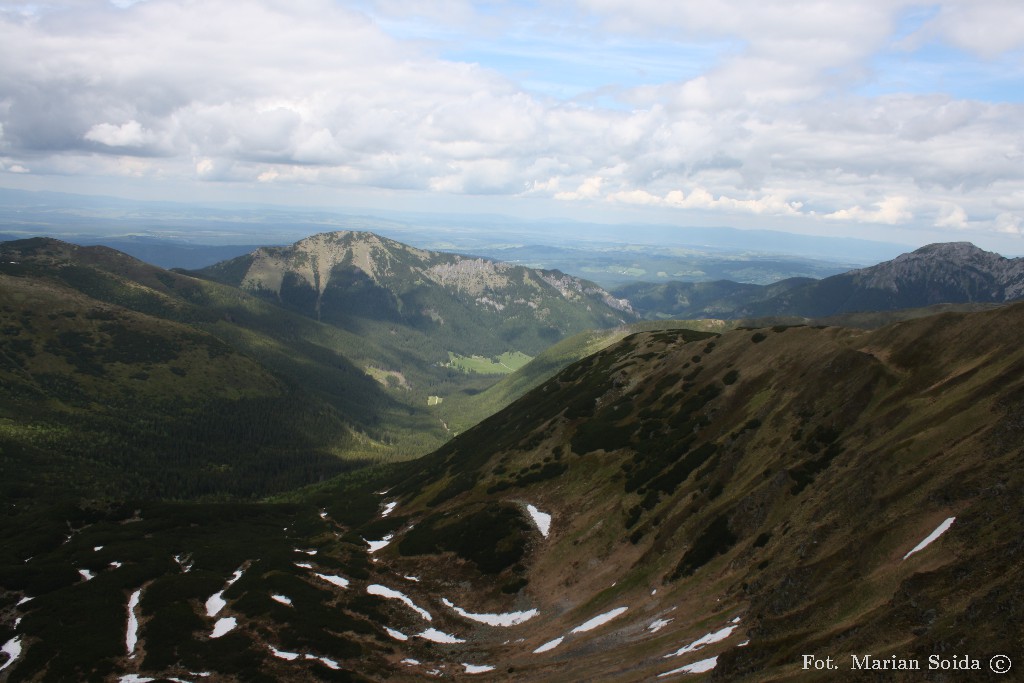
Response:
column 663, row 507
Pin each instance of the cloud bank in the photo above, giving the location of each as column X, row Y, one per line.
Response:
column 831, row 114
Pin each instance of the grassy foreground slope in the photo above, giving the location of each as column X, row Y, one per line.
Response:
column 730, row 503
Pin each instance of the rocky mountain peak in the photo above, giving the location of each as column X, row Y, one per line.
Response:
column 955, row 252
column 948, row 272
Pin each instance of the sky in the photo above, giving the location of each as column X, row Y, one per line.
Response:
column 881, row 119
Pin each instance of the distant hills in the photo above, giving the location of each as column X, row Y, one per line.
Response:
column 955, row 272
column 675, row 503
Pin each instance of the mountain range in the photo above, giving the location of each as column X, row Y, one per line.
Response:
column 739, row 506
column 211, row 475
column 956, row 272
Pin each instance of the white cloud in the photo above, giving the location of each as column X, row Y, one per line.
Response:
column 8, row 167
column 986, row 27
column 129, row 134
column 1009, row 224
column 776, row 123
column 588, row 189
column 701, row 198
column 952, row 216
column 891, row 210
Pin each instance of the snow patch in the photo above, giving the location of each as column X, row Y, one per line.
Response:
column 307, row 552
column 599, row 620
column 131, row 637
column 411, row 662
column 134, row 678
column 23, row 601
column 377, row 545
column 292, row 656
column 12, row 648
column 658, row 624
column 433, row 635
column 329, row 663
column 939, row 530
column 389, row 508
column 339, row 581
column 505, row 619
column 550, row 645
column 304, row 565
column 215, row 603
column 86, row 574
column 707, row 639
column 477, row 669
column 223, row 626
column 385, row 592
column 97, row 548
column 397, row 635
column 185, row 562
column 283, row 599
column 115, row 565
column 541, row 519
column 700, row 667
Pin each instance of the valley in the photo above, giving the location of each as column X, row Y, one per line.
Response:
column 305, row 464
